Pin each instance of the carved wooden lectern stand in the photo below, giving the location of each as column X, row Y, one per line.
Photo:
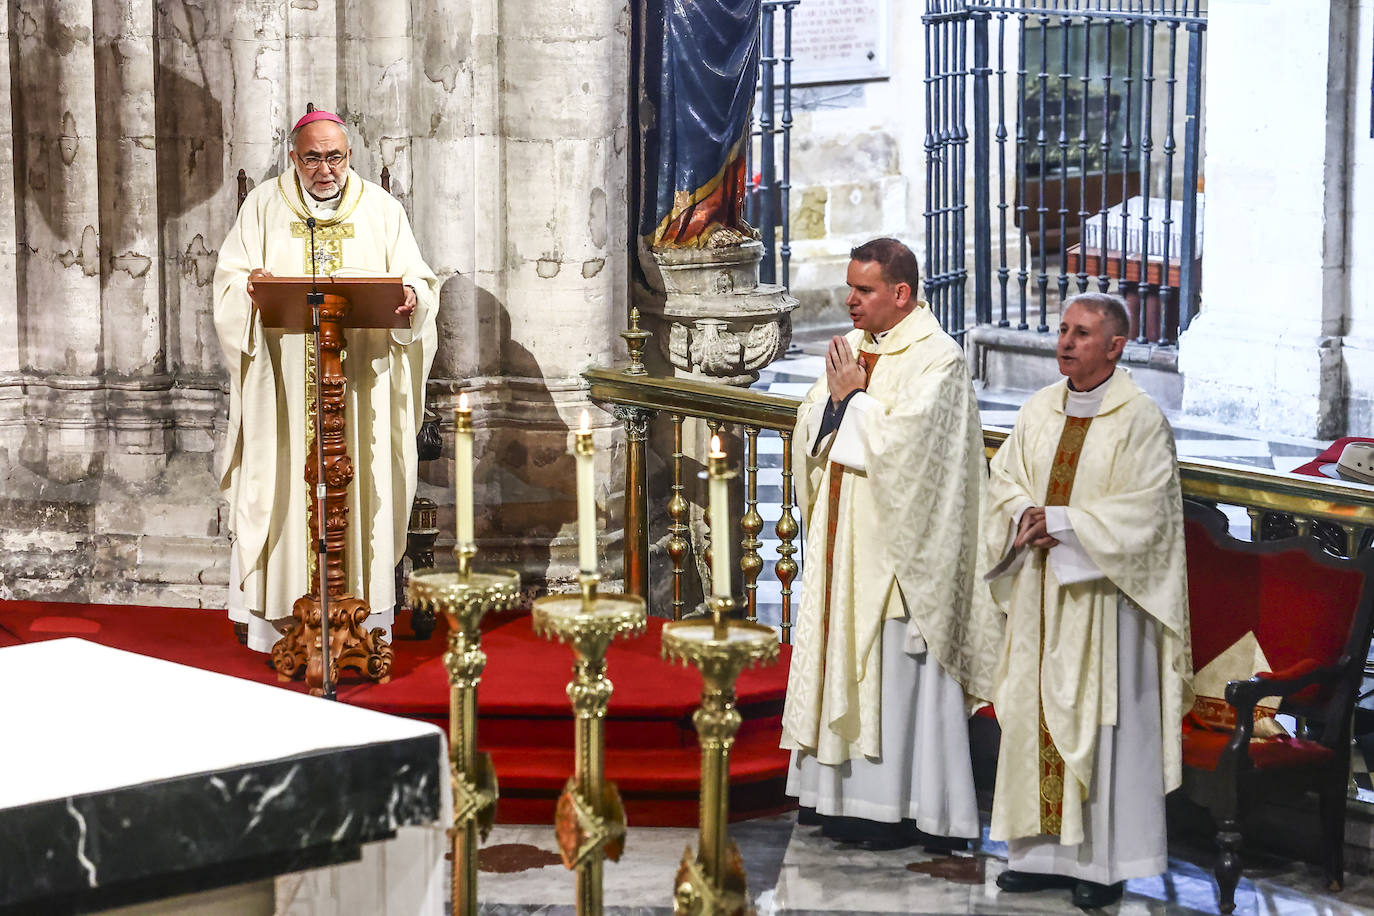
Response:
column 353, row 303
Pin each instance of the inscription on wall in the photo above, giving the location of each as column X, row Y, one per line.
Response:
column 836, row 40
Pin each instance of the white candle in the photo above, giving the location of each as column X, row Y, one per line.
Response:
column 462, row 459
column 720, row 521
column 586, row 502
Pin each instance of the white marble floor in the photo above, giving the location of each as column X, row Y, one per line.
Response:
column 793, row 870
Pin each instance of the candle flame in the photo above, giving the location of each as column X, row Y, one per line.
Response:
column 584, row 428
column 716, row 451
column 463, row 401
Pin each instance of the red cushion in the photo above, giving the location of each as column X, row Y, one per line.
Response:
column 1202, row 749
column 1298, row 608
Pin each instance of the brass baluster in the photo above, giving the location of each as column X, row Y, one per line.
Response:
column 1352, row 539
column 677, row 513
column 750, row 563
column 636, row 549
column 787, row 530
column 1256, row 523
column 1304, row 527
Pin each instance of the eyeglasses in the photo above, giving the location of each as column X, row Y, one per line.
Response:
column 333, row 160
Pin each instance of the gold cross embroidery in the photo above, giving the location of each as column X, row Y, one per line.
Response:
column 328, row 245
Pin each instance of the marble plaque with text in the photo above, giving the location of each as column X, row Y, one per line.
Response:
column 837, row 40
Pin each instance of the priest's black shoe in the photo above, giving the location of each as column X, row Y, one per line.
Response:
column 1090, row 895
column 1018, row 882
column 873, row 835
column 807, row 817
column 931, row 842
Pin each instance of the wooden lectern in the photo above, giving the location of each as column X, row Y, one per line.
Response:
column 369, row 302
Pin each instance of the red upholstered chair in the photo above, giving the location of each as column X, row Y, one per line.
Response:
column 1310, row 613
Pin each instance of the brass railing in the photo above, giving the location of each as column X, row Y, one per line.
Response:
column 1342, row 512
column 636, row 400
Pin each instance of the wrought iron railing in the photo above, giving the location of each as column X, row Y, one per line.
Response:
column 1345, row 511
column 768, row 202
column 1081, row 155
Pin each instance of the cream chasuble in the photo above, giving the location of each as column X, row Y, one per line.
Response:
column 904, row 536
column 262, row 466
column 1115, row 476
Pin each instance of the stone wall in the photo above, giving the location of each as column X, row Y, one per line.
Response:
column 1358, row 346
column 858, row 169
column 1284, row 284
column 124, row 123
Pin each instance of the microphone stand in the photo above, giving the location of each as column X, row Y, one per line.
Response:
column 315, row 299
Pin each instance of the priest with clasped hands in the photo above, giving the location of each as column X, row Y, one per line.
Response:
column 889, row 451
column 1083, row 543
column 358, row 230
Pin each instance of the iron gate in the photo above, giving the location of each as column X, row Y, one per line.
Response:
column 1089, row 158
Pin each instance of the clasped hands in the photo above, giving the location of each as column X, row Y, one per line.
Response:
column 406, row 307
column 1033, row 530
column 843, row 374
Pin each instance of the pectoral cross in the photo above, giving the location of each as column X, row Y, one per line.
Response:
column 328, row 245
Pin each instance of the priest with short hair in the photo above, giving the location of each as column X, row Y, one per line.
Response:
column 358, row 230
column 889, row 451
column 1083, row 541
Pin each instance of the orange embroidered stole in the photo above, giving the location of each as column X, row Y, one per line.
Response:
column 837, row 471
column 1062, row 475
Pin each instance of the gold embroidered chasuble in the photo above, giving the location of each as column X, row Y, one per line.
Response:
column 904, row 539
column 1057, row 671
column 268, row 437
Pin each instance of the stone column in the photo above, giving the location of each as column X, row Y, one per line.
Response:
column 10, row 394
column 131, row 297
column 1265, row 352
column 454, row 92
column 59, row 216
column 550, row 119
column 1358, row 346
column 312, row 55
column 256, row 115
column 374, row 89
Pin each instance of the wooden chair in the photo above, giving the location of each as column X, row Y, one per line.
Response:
column 1310, row 612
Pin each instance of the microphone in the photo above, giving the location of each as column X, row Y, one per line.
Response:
column 314, row 299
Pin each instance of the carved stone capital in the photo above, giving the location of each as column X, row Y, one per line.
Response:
column 636, row 419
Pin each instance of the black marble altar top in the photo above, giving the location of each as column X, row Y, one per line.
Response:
column 119, row 840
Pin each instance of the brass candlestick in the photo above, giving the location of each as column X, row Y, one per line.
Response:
column 464, row 598
column 590, row 820
column 635, row 340
column 713, row 881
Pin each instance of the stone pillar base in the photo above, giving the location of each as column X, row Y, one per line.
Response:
column 1277, row 381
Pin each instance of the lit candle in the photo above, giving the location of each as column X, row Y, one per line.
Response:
column 720, row 521
column 462, row 459
column 586, row 503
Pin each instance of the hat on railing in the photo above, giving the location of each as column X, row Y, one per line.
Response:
column 1357, row 462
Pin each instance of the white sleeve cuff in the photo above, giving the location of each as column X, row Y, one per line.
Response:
column 1068, row 559
column 849, row 449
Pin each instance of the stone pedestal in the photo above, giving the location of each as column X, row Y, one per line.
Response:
column 716, row 320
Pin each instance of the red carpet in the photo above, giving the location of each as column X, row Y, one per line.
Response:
column 525, row 719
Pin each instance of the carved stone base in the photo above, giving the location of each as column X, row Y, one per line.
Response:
column 350, row 647
column 716, row 319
